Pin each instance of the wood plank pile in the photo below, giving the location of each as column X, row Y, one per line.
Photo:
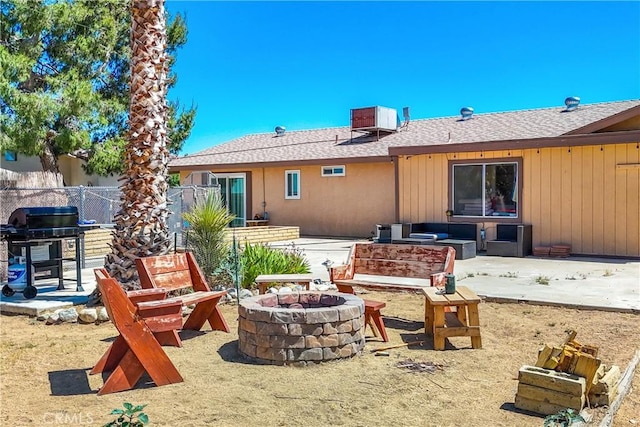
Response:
column 541, row 251
column 566, row 376
column 554, row 251
column 560, row 251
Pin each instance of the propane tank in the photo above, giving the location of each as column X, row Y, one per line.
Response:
column 18, row 274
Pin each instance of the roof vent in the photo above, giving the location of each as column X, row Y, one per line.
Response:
column 280, row 130
column 466, row 112
column 407, row 117
column 572, row 103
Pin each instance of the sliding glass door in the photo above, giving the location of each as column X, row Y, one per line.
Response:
column 233, row 191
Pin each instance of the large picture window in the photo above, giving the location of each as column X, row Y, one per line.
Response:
column 292, row 184
column 485, row 189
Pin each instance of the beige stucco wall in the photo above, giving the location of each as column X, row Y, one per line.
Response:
column 71, row 169
column 588, row 196
column 348, row 206
column 23, row 164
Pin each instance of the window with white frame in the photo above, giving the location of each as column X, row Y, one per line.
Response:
column 485, row 189
column 292, row 184
column 333, row 170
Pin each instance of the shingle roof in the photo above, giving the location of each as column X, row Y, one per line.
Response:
column 337, row 143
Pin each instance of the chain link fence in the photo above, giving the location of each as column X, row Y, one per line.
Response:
column 99, row 204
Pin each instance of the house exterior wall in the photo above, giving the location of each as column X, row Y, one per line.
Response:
column 588, row 196
column 340, row 206
column 70, row 168
column 22, row 164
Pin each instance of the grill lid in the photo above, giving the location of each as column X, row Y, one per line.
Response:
column 45, row 217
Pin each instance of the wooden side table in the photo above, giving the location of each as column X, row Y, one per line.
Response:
column 465, row 322
column 265, row 280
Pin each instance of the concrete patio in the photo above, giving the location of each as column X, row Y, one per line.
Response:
column 580, row 282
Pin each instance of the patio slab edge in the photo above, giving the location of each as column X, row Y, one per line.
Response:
column 508, row 300
column 35, row 308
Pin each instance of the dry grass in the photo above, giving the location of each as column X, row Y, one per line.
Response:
column 44, row 373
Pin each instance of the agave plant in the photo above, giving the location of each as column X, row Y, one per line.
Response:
column 207, row 222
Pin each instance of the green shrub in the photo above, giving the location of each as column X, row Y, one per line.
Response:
column 130, row 416
column 262, row 259
column 207, row 224
column 563, row 418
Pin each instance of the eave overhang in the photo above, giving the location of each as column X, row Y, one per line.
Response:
column 604, row 138
column 288, row 163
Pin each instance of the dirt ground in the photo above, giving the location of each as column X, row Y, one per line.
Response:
column 44, row 374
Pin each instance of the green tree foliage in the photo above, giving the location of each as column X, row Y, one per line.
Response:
column 207, row 222
column 64, row 81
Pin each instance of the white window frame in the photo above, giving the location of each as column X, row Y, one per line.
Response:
column 287, row 193
column 332, row 170
column 518, row 166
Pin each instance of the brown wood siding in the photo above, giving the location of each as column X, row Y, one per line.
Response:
column 578, row 196
column 630, row 180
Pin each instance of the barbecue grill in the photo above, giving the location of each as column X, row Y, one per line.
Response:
column 43, row 226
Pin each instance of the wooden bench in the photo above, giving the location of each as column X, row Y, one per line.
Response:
column 264, row 280
column 377, row 266
column 180, row 271
column 136, row 349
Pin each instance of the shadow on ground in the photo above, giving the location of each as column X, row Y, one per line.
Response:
column 509, row 406
column 229, row 353
column 400, row 323
column 70, row 382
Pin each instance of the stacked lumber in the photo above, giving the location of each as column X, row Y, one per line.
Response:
column 566, row 376
column 541, row 251
column 554, row 251
column 560, row 251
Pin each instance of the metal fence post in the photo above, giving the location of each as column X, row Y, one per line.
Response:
column 81, row 210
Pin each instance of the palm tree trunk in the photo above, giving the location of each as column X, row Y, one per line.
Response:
column 141, row 223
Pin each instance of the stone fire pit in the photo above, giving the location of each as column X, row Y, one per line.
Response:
column 301, row 328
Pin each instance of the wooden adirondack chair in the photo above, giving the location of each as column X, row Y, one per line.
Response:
column 136, row 350
column 163, row 332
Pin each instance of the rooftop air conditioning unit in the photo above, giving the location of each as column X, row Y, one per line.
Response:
column 374, row 119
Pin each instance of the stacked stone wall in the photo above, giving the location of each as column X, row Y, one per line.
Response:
column 301, row 328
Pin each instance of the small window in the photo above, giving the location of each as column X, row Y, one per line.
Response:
column 11, row 156
column 333, row 171
column 292, row 184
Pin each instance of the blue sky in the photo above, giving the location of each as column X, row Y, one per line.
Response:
column 251, row 66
